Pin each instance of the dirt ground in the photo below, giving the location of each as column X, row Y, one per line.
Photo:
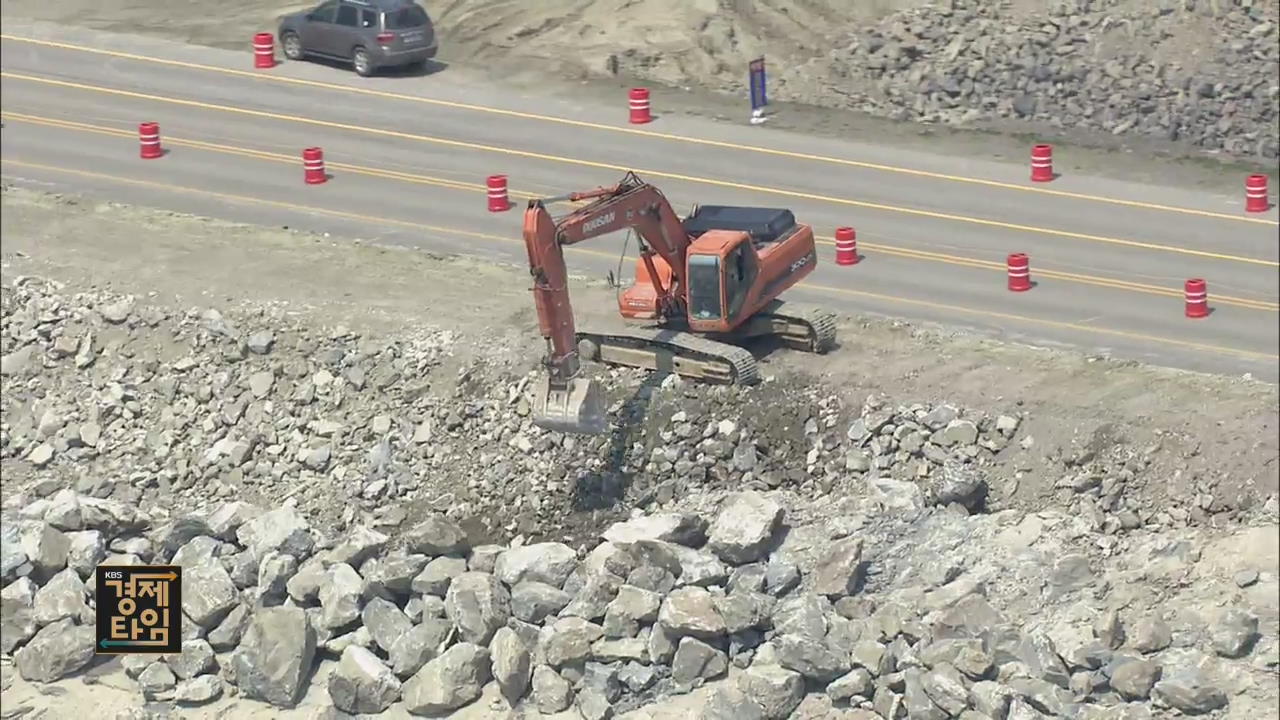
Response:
column 1072, row 400
column 563, row 47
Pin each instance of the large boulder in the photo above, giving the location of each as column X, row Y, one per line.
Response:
column 744, row 527
column 275, row 657
column 448, row 682
column 478, row 605
column 362, row 683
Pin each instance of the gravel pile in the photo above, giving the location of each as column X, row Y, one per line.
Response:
column 345, row 508
column 1202, row 74
column 860, row 618
column 145, row 405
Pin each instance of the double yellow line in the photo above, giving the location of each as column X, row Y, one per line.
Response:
column 478, row 188
column 828, row 289
column 638, row 132
column 714, row 182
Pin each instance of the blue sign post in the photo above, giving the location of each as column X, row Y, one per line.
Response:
column 756, row 80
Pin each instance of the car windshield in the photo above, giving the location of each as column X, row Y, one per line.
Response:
column 406, row 18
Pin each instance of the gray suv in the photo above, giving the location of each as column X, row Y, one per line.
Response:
column 370, row 34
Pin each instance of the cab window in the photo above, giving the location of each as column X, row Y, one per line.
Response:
column 704, row 288
column 740, row 274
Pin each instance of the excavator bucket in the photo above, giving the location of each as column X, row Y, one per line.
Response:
column 576, row 407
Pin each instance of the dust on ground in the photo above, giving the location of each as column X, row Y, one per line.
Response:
column 694, row 54
column 1218, row 432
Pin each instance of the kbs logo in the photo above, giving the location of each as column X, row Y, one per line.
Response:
column 598, row 222
column 139, row 609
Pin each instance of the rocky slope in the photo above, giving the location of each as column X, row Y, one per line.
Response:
column 798, row 554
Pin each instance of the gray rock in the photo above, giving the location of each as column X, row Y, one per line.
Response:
column 226, row 520
column 691, row 611
column 340, row 596
column 274, row 572
column 197, row 551
column 699, row 568
column 1151, row 635
column 781, row 576
column 196, row 658
column 856, row 683
column 681, row 528
column 86, row 550
column 450, row 681
column 199, row 690
column 1232, row 636
column 743, row 610
column 436, row 576
column 637, row 677
column 550, row 563
column 840, row 570
column 1037, row 652
column 275, row 656
column 436, row 535
column 361, row 683
column 228, row 633
column 729, row 702
column 991, row 699
column 392, row 575
column 208, row 594
column 1134, row 678
column 281, row 530
column 484, row 558
column 593, row 704
column 1188, row 690
column 569, row 640
column 917, row 700
column 512, row 664
column 1108, row 629
column 358, row 544
column 593, row 599
column 535, row 601
column 423, row 643
column 46, row 549
column 386, row 623
column 957, row 433
column 630, row 607
column 803, row 615
column 17, row 614
column 776, row 690
column 695, row 661
column 260, row 342
column 156, row 680
column 946, row 689
column 59, row 649
column 1023, row 709
column 610, row 651
column 662, row 644
column 478, row 605
column 551, row 693
column 62, row 597
column 813, row 659
column 744, row 527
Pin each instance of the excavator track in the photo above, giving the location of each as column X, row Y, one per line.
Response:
column 807, row 328
column 682, row 353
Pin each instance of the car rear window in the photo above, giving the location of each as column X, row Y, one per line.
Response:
column 406, row 18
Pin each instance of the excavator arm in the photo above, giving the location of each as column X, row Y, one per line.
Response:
column 566, row 402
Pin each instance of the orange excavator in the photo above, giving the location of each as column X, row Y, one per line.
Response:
column 702, row 285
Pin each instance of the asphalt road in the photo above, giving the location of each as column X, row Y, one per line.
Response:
column 409, row 155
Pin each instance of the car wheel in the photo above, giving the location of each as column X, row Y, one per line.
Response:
column 292, row 45
column 360, row 60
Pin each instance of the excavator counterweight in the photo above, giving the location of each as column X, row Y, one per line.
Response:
column 703, row 284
